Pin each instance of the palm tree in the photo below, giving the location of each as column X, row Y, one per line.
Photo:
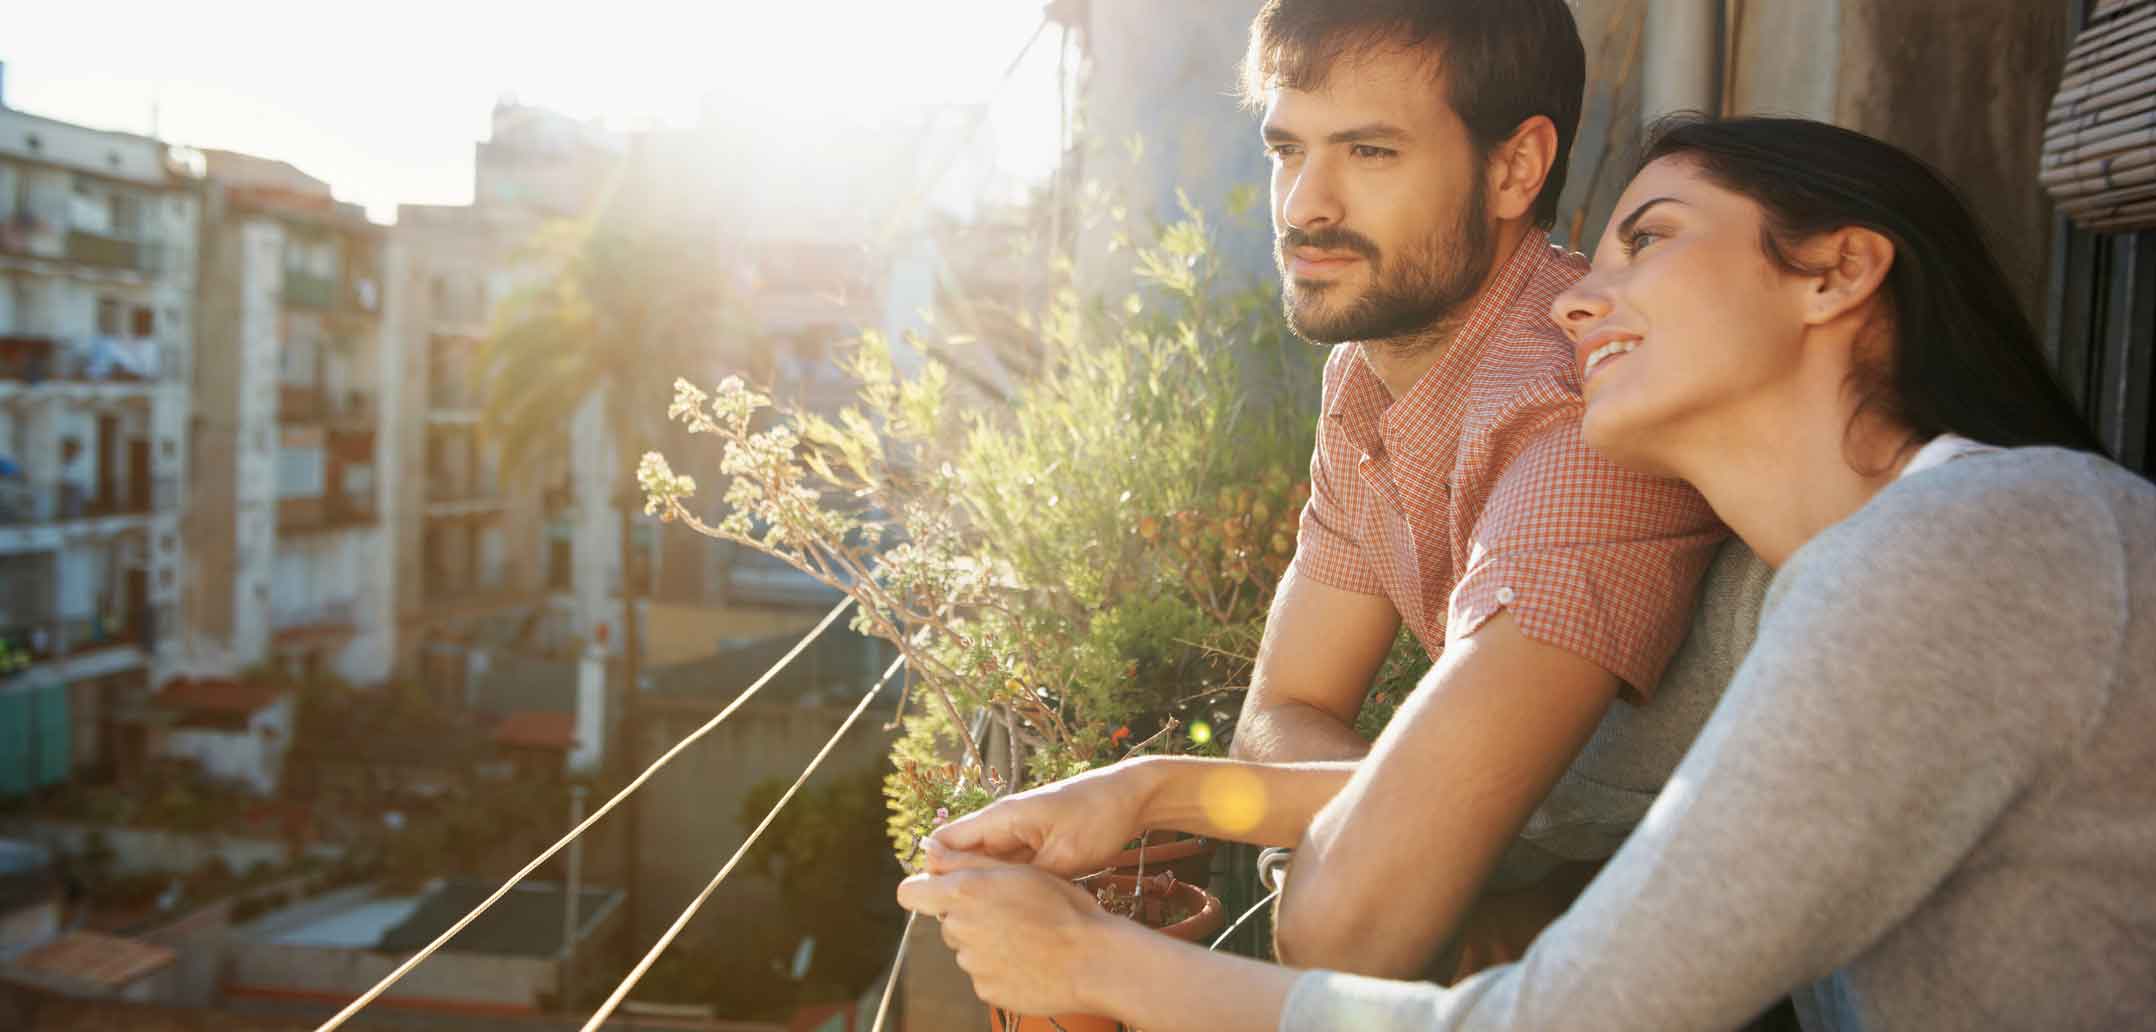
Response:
column 632, row 306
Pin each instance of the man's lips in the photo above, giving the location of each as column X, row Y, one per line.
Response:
column 1308, row 261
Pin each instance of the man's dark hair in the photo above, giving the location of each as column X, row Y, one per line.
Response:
column 1504, row 61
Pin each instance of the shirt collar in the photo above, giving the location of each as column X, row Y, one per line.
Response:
column 1434, row 409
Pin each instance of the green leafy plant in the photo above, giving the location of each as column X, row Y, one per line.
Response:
column 1087, row 570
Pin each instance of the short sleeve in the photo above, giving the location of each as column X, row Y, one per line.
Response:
column 1591, row 558
column 1327, row 546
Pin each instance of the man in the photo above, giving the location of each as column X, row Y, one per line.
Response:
column 1418, row 148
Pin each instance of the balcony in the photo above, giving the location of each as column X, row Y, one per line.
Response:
column 302, row 290
column 453, row 399
column 308, row 627
column 31, row 504
column 90, row 366
column 327, row 513
column 300, row 403
column 75, row 648
column 106, row 251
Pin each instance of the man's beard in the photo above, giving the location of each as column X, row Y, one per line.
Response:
column 1427, row 284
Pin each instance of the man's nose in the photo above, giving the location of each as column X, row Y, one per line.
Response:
column 1313, row 202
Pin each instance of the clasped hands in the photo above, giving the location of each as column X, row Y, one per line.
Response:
column 998, row 881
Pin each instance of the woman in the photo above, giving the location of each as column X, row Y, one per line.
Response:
column 1929, row 797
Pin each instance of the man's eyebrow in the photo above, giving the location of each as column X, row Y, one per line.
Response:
column 1371, row 131
column 1624, row 229
column 1359, row 134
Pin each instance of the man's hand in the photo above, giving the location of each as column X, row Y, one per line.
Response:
column 1321, row 648
column 1023, row 935
column 1072, row 827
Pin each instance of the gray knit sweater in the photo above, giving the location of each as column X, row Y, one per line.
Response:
column 1928, row 800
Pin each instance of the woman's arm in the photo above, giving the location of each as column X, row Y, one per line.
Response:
column 1905, row 691
column 1074, row 826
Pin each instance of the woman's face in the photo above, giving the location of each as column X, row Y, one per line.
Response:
column 1683, row 320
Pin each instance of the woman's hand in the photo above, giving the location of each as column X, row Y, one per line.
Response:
column 1070, row 828
column 1027, row 938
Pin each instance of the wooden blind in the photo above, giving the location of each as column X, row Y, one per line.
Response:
column 2099, row 161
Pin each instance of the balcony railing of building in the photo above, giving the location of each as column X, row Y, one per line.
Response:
column 110, row 252
column 451, row 394
column 309, row 403
column 316, row 624
column 42, row 359
column 26, row 502
column 53, row 638
column 304, row 290
column 328, row 512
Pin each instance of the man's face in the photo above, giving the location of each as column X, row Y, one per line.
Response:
column 1380, row 207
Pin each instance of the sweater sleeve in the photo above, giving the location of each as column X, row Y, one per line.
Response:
column 1921, row 666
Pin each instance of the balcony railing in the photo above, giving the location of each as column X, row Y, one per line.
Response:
column 26, row 503
column 39, row 359
column 302, row 290
column 108, row 251
column 329, row 512
column 451, row 396
column 299, row 403
column 50, row 638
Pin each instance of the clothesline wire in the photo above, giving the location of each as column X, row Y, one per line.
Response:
column 651, row 956
column 336, row 1021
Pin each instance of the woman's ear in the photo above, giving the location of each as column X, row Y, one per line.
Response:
column 1852, row 263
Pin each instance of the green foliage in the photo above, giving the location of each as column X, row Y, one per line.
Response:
column 1090, row 567
column 1402, row 669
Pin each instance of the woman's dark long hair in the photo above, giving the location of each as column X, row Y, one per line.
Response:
column 1962, row 357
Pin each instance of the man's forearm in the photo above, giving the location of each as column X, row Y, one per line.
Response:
column 1259, row 803
column 1296, row 732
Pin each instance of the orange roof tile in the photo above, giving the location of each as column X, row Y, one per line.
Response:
column 537, row 729
column 104, row 960
column 218, row 695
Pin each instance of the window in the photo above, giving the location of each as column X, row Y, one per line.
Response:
column 301, row 472
column 110, row 316
column 144, row 323
column 297, row 361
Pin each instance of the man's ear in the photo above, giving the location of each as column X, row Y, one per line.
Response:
column 1520, row 166
column 1853, row 263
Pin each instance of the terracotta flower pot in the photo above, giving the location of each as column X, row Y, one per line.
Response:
column 1203, row 919
column 1188, row 857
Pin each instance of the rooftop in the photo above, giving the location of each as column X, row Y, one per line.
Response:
column 218, row 695
column 526, row 923
column 107, row 961
column 537, row 729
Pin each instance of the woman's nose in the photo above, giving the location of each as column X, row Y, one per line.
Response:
column 1579, row 308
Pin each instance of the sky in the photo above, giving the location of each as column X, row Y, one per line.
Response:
column 385, row 103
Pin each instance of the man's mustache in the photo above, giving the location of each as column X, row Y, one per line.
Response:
column 1331, row 238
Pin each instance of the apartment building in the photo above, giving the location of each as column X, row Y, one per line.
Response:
column 97, row 320
column 288, row 554
column 480, row 551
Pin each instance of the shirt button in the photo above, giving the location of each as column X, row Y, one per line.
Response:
column 1505, row 596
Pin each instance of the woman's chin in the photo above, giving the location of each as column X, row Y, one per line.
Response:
column 1626, row 442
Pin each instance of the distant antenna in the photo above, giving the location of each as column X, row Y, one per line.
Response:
column 157, row 96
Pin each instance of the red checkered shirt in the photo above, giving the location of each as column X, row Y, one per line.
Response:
column 1474, row 492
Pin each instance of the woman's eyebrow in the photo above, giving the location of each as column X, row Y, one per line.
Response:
column 1624, row 229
